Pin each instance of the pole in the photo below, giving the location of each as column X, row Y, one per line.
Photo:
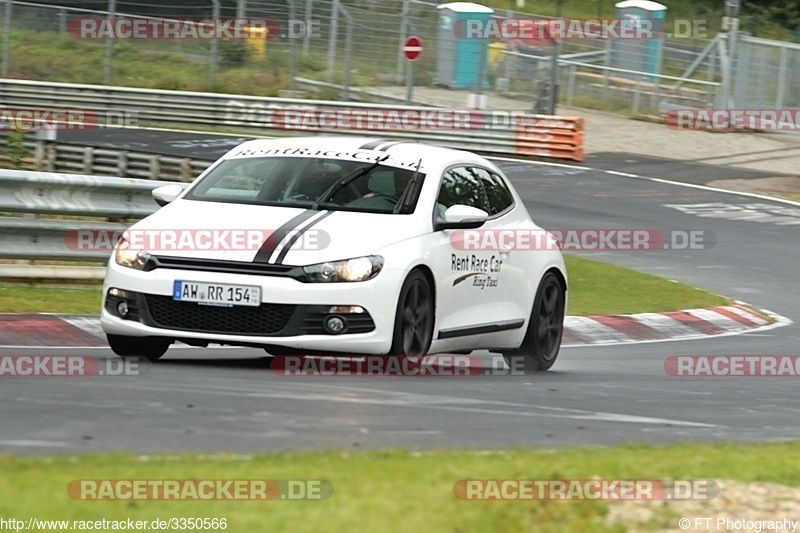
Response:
column 332, row 39
column 109, row 53
column 554, row 77
column 6, row 38
column 409, row 82
column 212, row 67
column 348, row 54
column 403, row 35
column 307, row 35
column 733, row 66
column 293, row 48
column 731, row 21
column 241, row 9
column 481, row 67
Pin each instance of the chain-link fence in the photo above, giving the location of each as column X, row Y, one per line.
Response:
column 767, row 74
column 37, row 38
column 336, row 47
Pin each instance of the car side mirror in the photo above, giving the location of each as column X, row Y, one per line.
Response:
column 166, row 194
column 462, row 217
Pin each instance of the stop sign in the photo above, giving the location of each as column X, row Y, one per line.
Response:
column 412, row 48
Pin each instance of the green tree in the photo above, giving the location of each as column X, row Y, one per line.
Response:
column 785, row 13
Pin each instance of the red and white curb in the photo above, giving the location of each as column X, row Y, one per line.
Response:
column 73, row 331
column 674, row 325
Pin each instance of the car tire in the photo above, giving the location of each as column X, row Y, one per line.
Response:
column 414, row 319
column 151, row 348
column 542, row 341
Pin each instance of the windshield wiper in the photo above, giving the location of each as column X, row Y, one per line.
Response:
column 352, row 176
column 410, row 187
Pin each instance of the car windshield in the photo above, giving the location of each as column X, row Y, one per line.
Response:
column 300, row 182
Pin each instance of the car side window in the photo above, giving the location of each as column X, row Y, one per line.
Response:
column 500, row 196
column 488, row 186
column 462, row 185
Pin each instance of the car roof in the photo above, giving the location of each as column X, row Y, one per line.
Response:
column 432, row 156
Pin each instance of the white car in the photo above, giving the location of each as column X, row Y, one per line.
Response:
column 338, row 245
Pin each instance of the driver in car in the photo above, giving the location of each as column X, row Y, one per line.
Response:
column 384, row 188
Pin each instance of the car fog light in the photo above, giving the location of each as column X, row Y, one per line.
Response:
column 334, row 324
column 122, row 308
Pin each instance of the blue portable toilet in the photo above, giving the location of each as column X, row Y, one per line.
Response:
column 641, row 55
column 463, row 54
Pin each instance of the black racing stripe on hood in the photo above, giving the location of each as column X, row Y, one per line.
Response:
column 269, row 246
column 297, row 236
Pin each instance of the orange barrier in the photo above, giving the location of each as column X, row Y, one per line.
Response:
column 550, row 136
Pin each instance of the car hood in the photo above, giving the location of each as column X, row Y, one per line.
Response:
column 237, row 232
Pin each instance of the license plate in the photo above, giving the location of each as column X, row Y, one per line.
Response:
column 216, row 293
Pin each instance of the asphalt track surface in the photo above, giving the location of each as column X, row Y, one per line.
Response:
column 223, row 399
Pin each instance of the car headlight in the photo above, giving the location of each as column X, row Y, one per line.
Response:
column 357, row 269
column 125, row 256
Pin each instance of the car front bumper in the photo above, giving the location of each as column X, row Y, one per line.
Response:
column 292, row 313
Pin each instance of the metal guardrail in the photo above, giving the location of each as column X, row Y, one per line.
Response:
column 88, row 160
column 47, row 156
column 66, row 158
column 149, row 107
column 40, row 193
column 54, row 240
column 73, row 194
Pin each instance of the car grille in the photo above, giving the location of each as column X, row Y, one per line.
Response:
column 230, row 267
column 266, row 319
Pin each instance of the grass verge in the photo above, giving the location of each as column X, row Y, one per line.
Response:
column 388, row 490
column 35, row 297
column 595, row 289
